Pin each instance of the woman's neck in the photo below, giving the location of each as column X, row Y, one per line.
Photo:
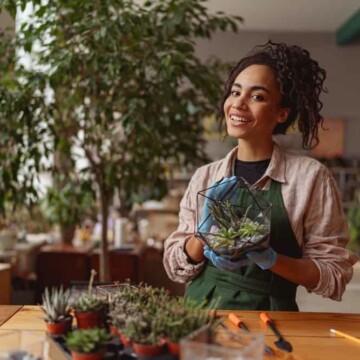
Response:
column 254, row 152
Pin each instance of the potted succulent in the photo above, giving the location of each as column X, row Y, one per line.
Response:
column 89, row 308
column 121, row 305
column 181, row 317
column 55, row 304
column 144, row 324
column 88, row 344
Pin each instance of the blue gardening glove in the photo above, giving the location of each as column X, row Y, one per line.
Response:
column 215, row 192
column 265, row 259
column 221, row 263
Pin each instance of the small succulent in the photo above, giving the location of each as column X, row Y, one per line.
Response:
column 88, row 340
column 55, row 304
column 89, row 301
column 183, row 316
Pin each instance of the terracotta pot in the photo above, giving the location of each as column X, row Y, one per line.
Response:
column 114, row 330
column 125, row 340
column 174, row 348
column 87, row 356
column 90, row 319
column 59, row 328
column 147, row 350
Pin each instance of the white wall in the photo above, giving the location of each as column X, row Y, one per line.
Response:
column 342, row 64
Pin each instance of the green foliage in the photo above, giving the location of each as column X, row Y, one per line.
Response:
column 21, row 123
column 87, row 341
column 128, row 88
column 71, row 204
column 55, row 304
column 183, row 316
column 233, row 226
column 146, row 314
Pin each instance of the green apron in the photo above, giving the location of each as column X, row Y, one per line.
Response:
column 250, row 287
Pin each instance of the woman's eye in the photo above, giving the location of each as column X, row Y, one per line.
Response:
column 235, row 93
column 258, row 97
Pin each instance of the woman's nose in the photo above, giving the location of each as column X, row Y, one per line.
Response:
column 240, row 102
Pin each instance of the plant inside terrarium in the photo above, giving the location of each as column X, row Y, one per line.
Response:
column 237, row 227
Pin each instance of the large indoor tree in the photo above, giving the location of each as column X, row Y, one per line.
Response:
column 127, row 82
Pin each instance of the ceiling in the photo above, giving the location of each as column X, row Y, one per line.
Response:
column 289, row 15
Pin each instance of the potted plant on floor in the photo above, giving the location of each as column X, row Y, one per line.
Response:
column 88, row 344
column 55, row 304
column 89, row 308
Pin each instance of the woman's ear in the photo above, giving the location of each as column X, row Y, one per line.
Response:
column 283, row 115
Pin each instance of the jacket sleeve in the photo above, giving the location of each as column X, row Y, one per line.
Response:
column 326, row 236
column 176, row 262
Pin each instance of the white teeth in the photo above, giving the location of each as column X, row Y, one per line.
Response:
column 239, row 119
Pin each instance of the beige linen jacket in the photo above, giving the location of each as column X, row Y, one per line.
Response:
column 314, row 208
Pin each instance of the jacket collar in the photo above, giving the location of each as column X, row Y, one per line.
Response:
column 275, row 170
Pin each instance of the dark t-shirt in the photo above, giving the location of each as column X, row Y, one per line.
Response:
column 251, row 171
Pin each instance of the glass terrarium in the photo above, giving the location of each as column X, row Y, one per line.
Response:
column 237, row 218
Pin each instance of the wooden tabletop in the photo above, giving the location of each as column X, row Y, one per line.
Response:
column 309, row 333
column 7, row 311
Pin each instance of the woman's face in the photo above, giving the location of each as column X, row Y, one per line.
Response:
column 253, row 109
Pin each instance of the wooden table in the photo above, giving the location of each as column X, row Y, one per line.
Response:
column 7, row 311
column 307, row 332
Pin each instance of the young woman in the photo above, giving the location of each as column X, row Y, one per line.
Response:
column 266, row 92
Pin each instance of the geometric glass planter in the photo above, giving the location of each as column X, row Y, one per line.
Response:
column 229, row 229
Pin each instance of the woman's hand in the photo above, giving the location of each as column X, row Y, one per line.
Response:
column 265, row 259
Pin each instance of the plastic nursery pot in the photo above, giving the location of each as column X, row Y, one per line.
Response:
column 88, row 320
column 87, row 356
column 147, row 350
column 174, row 348
column 59, row 328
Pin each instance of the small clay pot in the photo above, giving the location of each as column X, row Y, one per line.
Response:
column 147, row 350
column 87, row 356
column 114, row 331
column 174, row 348
column 60, row 328
column 89, row 319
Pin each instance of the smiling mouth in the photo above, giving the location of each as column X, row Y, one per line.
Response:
column 239, row 120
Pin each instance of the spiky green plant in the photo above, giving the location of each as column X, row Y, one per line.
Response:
column 55, row 304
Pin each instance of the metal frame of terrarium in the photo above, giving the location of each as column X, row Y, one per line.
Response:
column 265, row 210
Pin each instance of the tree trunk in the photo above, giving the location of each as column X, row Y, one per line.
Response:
column 104, row 252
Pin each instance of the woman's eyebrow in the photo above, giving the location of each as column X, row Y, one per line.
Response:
column 252, row 88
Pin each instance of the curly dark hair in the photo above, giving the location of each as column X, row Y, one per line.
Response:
column 301, row 82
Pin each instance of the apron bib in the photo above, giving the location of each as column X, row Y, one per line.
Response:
column 250, row 287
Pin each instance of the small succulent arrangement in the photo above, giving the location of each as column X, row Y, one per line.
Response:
column 90, row 301
column 88, row 340
column 55, row 304
column 235, row 229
